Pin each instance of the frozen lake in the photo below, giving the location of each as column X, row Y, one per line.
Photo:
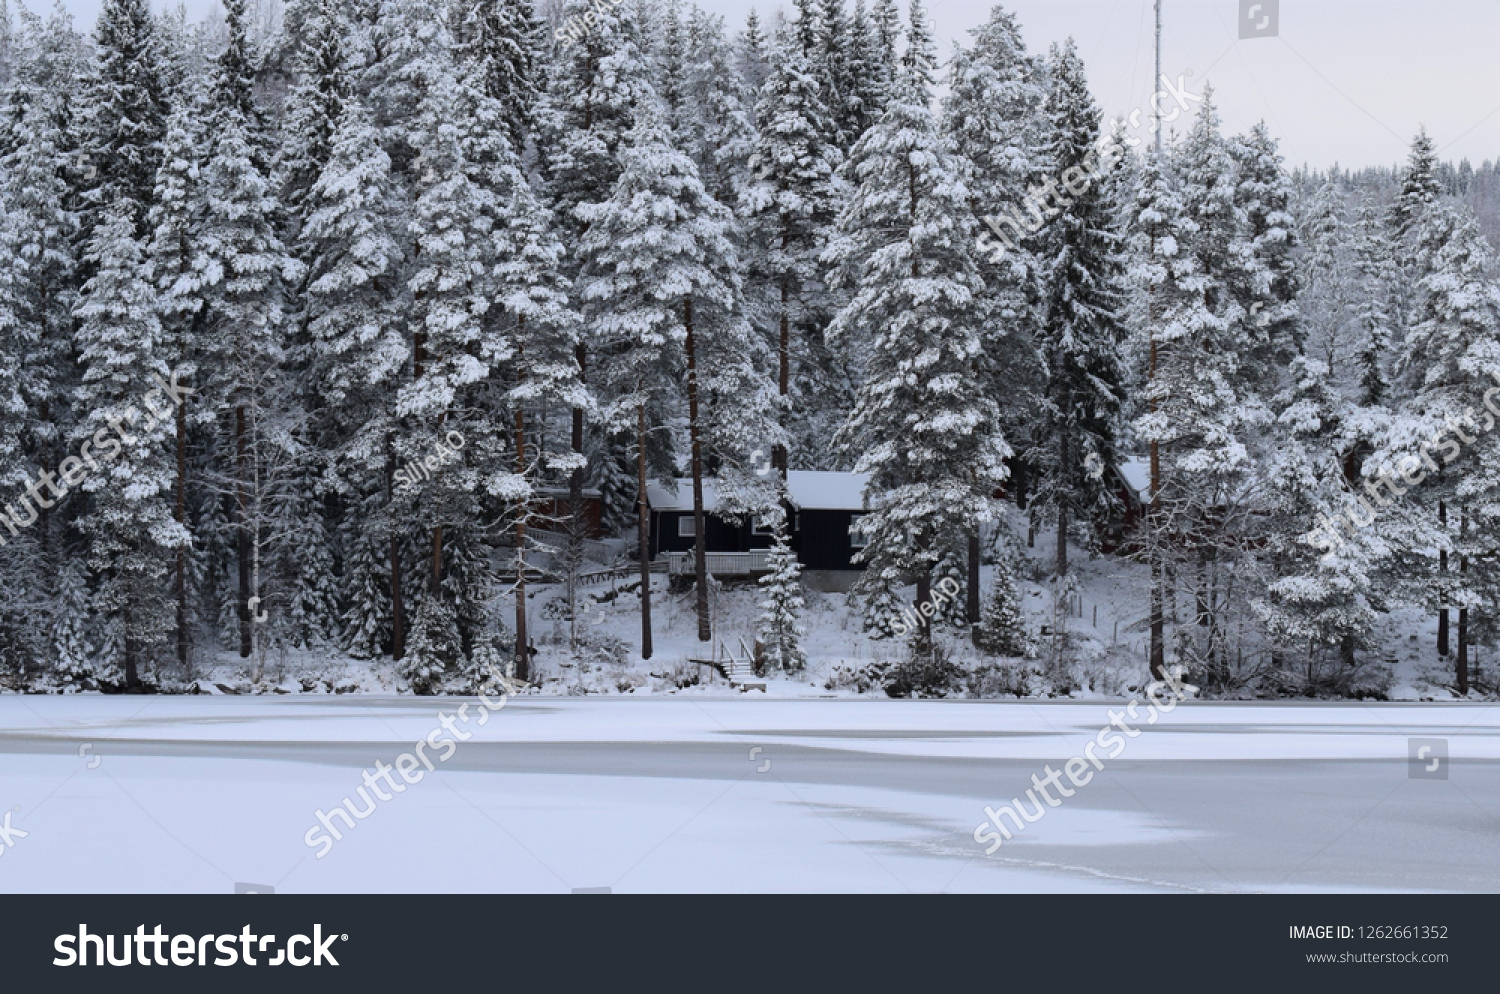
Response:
column 737, row 794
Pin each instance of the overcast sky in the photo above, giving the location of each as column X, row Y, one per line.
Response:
column 1347, row 80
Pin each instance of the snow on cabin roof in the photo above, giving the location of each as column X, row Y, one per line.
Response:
column 824, row 491
column 1137, row 474
column 810, row 490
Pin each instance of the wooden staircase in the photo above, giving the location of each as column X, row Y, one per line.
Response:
column 739, row 670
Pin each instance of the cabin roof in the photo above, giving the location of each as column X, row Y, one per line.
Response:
column 1137, row 475
column 810, row 490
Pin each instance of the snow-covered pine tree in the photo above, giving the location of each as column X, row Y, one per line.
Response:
column 1214, row 404
column 992, row 114
column 43, row 281
column 1376, row 273
column 502, row 41
column 883, row 614
column 176, row 219
column 865, row 100
column 21, row 623
column 671, row 59
column 1267, row 283
column 1168, row 276
column 7, row 44
column 1420, row 191
column 1420, row 188
column 250, row 272
column 131, row 532
column 662, row 259
column 126, row 108
column 366, row 596
column 716, row 129
column 832, row 64
column 588, row 109
column 233, row 87
column 951, row 574
column 452, row 225
column 1319, row 599
column 352, row 245
column 922, row 426
column 885, row 21
column 316, row 101
column 1004, row 631
column 1081, row 269
column 780, row 626
column 750, row 61
column 1452, row 350
column 788, row 208
column 1327, row 298
column 532, row 337
column 435, row 649
column 298, row 543
column 992, row 117
column 806, row 32
column 71, row 640
column 594, row 85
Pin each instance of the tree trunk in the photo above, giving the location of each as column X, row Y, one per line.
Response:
column 523, row 639
column 44, row 525
column 180, row 513
column 575, row 508
column 242, row 459
column 971, row 602
column 1442, row 638
column 1154, row 538
column 435, row 576
column 1463, row 612
column 398, row 611
column 1061, row 567
column 924, row 597
column 132, row 674
column 700, row 528
column 779, row 458
column 643, row 530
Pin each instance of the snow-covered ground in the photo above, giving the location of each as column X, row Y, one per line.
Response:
column 727, row 793
column 1108, row 633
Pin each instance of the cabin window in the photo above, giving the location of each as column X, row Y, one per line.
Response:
column 687, row 526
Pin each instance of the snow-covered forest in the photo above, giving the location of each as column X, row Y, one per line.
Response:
column 255, row 269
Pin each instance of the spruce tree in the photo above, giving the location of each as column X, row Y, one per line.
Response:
column 716, row 131
column 1321, row 595
column 1267, row 283
column 780, row 626
column 131, row 531
column 1420, row 188
column 1376, row 274
column 1004, row 631
column 922, row 426
column 177, row 260
column 242, row 350
column 1082, row 299
column 317, row 99
column 502, row 40
column 662, row 285
column 789, row 206
column 128, row 107
column 751, row 60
